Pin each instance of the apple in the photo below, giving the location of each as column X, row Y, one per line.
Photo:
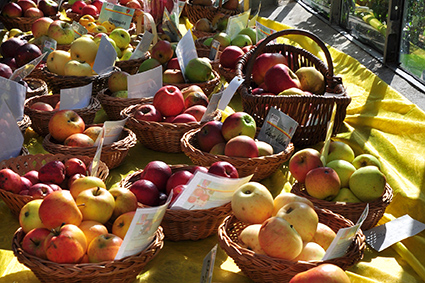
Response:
column 340, row 150
column 322, row 183
column 78, row 140
column 172, row 76
column 26, row 183
column 32, row 176
column 121, row 37
column 39, row 190
column 230, row 56
column 78, row 68
column 33, row 242
column 74, row 166
column 93, row 132
column 346, row 195
column 134, row 4
column 241, row 146
column 224, row 169
column 238, row 123
column 367, row 183
column 57, row 60
column 311, row 251
column 264, row 148
column 26, row 4
column 324, row 236
column 280, row 77
column 65, row 123
column 91, row 10
column 83, row 49
column 26, row 53
column 96, row 204
column 311, row 80
column 177, row 190
column 173, row 63
column 78, row 6
column 169, row 100
column 33, row 13
column 198, row 70
column 279, row 239
column 223, row 38
column 85, row 183
column 9, row 46
column 158, row 172
column 125, row 201
column 122, row 223
column 364, row 160
column 195, row 98
column 209, row 135
column 302, row 217
column 61, row 31
column 146, row 192
column 218, row 149
column 302, row 161
column 195, row 168
column 72, row 178
column 52, row 172
column 248, row 238
column 263, row 63
column 54, row 187
column 66, row 244
column 118, row 81
column 48, row 7
column 181, row 177
column 28, row 216
column 98, row 4
column 325, row 272
column 10, row 180
column 92, row 229
column 197, row 111
column 147, row 112
column 148, row 64
column 104, row 248
column 287, row 197
column 11, row 10
column 191, row 88
column 184, row 118
column 42, row 106
column 40, row 26
column 241, row 40
column 344, row 169
column 252, row 203
column 5, row 71
column 162, row 51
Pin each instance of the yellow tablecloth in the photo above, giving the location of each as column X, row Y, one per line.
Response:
column 379, row 120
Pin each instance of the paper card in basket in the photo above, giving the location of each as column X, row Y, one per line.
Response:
column 170, row 26
column 206, row 191
column 112, row 130
column 263, row 32
column 208, row 266
column 22, row 72
column 143, row 46
column 186, row 50
column 145, row 84
column 105, row 56
column 142, row 230
column 11, row 138
column 277, row 130
column 76, row 97
column 13, row 94
column 237, row 23
column 212, row 106
column 79, row 30
column 229, row 91
column 120, row 16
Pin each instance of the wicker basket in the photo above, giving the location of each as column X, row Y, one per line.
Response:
column 124, row 270
column 352, row 211
column 207, row 87
column 262, row 268
column 312, row 112
column 203, row 52
column 22, row 23
column 27, row 162
column 226, row 73
column 24, row 123
column 112, row 154
column 131, row 66
column 196, row 12
column 160, row 136
column 261, row 167
column 181, row 225
column 40, row 119
column 36, row 87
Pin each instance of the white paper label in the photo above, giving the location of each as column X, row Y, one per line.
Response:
column 237, row 23
column 229, row 92
column 186, row 50
column 208, row 266
column 11, row 138
column 105, row 56
column 143, row 46
column 75, row 98
column 14, row 95
column 145, row 84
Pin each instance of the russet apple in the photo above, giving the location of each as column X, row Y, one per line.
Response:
column 57, row 60
column 209, row 135
column 92, row 229
column 96, row 204
column 195, row 98
column 302, row 161
column 52, row 172
column 324, row 235
column 84, row 183
column 248, row 238
column 311, row 251
column 125, row 201
column 181, row 177
column 365, row 159
column 162, row 51
column 311, row 80
column 263, row 63
column 28, row 216
column 10, row 180
column 33, row 242
column 344, row 169
column 172, row 76
column 224, row 169
column 169, row 100
column 78, row 140
column 367, row 183
column 280, row 77
column 104, row 248
column 61, row 31
column 230, row 56
column 146, row 192
column 83, row 49
column 322, row 183
column 78, row 69
column 65, row 123
column 241, row 146
column 122, row 223
column 325, row 272
column 239, row 123
column 286, row 197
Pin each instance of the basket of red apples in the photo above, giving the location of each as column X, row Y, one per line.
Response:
column 295, row 82
column 233, row 140
column 161, row 124
column 286, row 235
column 345, row 184
column 35, row 176
column 76, row 137
column 157, row 180
column 41, row 108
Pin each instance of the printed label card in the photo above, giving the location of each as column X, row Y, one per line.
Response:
column 75, row 98
column 22, row 72
column 170, row 27
column 208, row 266
column 263, row 32
column 119, row 15
column 79, row 30
column 237, row 23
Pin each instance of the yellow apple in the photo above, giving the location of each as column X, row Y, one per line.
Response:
column 96, row 204
column 28, row 216
column 122, row 223
column 57, row 60
column 77, row 68
column 248, row 238
column 311, row 251
column 121, row 37
column 84, row 49
column 324, row 235
column 286, row 197
column 125, row 201
column 92, row 229
column 85, row 183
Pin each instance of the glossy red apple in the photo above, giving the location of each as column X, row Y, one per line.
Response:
column 210, row 135
column 157, row 172
column 33, row 242
column 178, row 178
column 302, row 161
column 10, row 180
column 39, row 190
column 196, row 111
column 169, row 100
column 98, row 4
column 279, row 78
column 230, row 56
column 11, row 10
column 241, row 146
column 78, row 6
column 224, row 169
column 5, row 71
column 173, row 63
column 263, row 63
column 26, row 183
column 162, row 51
column 74, row 166
column 90, row 10
column 26, row 53
column 49, row 7
column 238, row 123
column 32, row 176
column 146, row 192
column 52, row 172
column 184, row 118
column 148, row 112
column 79, row 140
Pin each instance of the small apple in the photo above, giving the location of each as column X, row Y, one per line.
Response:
column 122, row 223
column 311, row 251
column 184, row 118
column 280, row 77
column 238, row 123
column 93, row 132
column 248, row 238
column 42, row 106
column 366, row 159
column 286, row 197
column 125, row 201
column 57, row 60
column 118, row 81
column 158, row 172
column 218, row 149
column 324, row 236
column 10, row 180
column 33, row 13
column 104, row 248
column 169, row 100
column 173, row 63
column 241, row 146
column 33, row 242
column 96, row 204
column 78, row 140
column 84, row 183
column 181, row 177
column 264, row 148
column 146, row 192
column 367, row 183
column 65, row 123
column 32, row 176
column 148, row 64
column 39, row 190
column 302, row 161
column 121, row 37
column 28, row 216
column 230, row 56
column 224, row 169
column 209, row 135
column 83, row 49
column 197, row 111
column 52, row 172
column 340, row 150
column 322, row 183
column 78, row 69
column 311, row 80
column 162, row 51
column 74, row 166
column 344, row 169
column 49, row 7
column 61, row 31
column 92, row 229
column 172, row 76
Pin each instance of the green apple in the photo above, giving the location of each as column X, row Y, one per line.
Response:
column 340, row 150
column 241, row 40
column 346, row 195
column 249, row 31
column 208, row 41
column 28, row 216
column 364, row 160
column 344, row 169
column 367, row 183
column 121, row 37
column 198, row 70
column 118, row 81
column 264, row 148
column 61, row 31
column 121, row 94
column 148, row 64
column 96, row 204
column 223, row 38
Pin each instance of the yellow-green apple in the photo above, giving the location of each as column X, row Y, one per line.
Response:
column 241, row 40
column 85, row 183
column 146, row 192
column 238, row 123
column 96, row 204
column 252, row 203
column 302, row 217
column 311, row 80
column 183, row 118
column 322, row 183
column 365, row 159
column 181, row 177
column 280, row 77
column 346, row 195
column 251, row 32
column 198, row 70
column 101, row 29
column 104, row 248
column 11, row 10
column 40, row 26
column 93, row 132
column 122, row 223
column 78, row 68
column 162, row 51
column 52, row 172
column 125, row 201
column 90, row 9
column 65, row 244
column 302, row 161
column 224, row 169
column 264, row 148
column 126, row 53
column 197, row 111
column 248, row 238
column 42, row 106
column 74, row 166
column 209, row 135
column 340, row 150
column 59, row 207
column 28, row 216
column 293, row 91
column 49, row 7
column 169, row 100
column 195, row 98
column 218, row 149
column 79, row 140
column 121, row 37
column 241, row 146
column 344, row 169
column 279, row 239
column 57, row 60
column 118, row 81
column 148, row 64
column 230, row 56
column 286, row 197
column 311, row 251
column 61, row 31
column 39, row 190
column 223, row 38
column 32, row 176
column 83, row 49
column 367, row 183
column 263, row 63
column 65, row 123
column 147, row 112
column 191, row 88
column 324, row 235
column 78, row 6
column 10, row 180
column 325, row 272
column 33, row 13
column 158, row 173
column 172, row 76
column 92, row 229
column 33, row 242
column 26, row 53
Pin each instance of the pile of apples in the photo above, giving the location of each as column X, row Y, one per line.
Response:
column 232, row 137
column 344, row 178
column 80, row 7
column 158, row 180
column 16, row 52
column 30, row 9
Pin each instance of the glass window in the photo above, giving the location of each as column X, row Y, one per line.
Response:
column 321, row 6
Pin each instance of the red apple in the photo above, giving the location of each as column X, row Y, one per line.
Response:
column 302, row 162
column 90, row 10
column 26, row 183
column 162, row 51
column 148, row 112
column 26, row 4
column 326, row 272
column 78, row 6
column 230, row 56
column 218, row 149
column 210, row 135
column 33, row 13
column 8, row 47
column 173, row 63
column 322, row 183
column 55, row 187
column 196, row 111
column 49, row 7
column 224, row 169
column 195, row 98
column 75, row 166
column 263, row 63
column 42, row 106
column 26, row 53
column 39, row 190
column 79, row 140
column 74, row 177
column 279, row 78
column 184, row 118
column 65, row 123
column 98, row 4
column 5, row 71
column 10, row 61
column 198, row 167
column 238, row 123
column 158, row 173
column 33, row 242
column 104, row 248
column 241, row 146
column 178, row 178
column 52, row 172
column 169, row 100
column 32, row 176
column 10, row 180
column 11, row 10
column 146, row 192
column 177, row 190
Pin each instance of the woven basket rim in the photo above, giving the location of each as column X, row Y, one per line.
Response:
column 94, row 105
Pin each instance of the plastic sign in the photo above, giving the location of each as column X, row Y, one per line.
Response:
column 325, row 149
column 263, row 32
column 120, row 16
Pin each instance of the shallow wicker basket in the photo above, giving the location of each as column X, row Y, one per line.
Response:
column 160, row 136
column 112, row 154
column 208, row 87
column 227, row 73
column 312, row 112
column 262, row 268
column 36, row 87
column 131, row 66
column 24, row 123
column 196, row 12
column 181, row 225
column 124, row 270
column 22, row 23
column 261, row 167
column 203, row 52
column 40, row 119
column 27, row 162
column 352, row 211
